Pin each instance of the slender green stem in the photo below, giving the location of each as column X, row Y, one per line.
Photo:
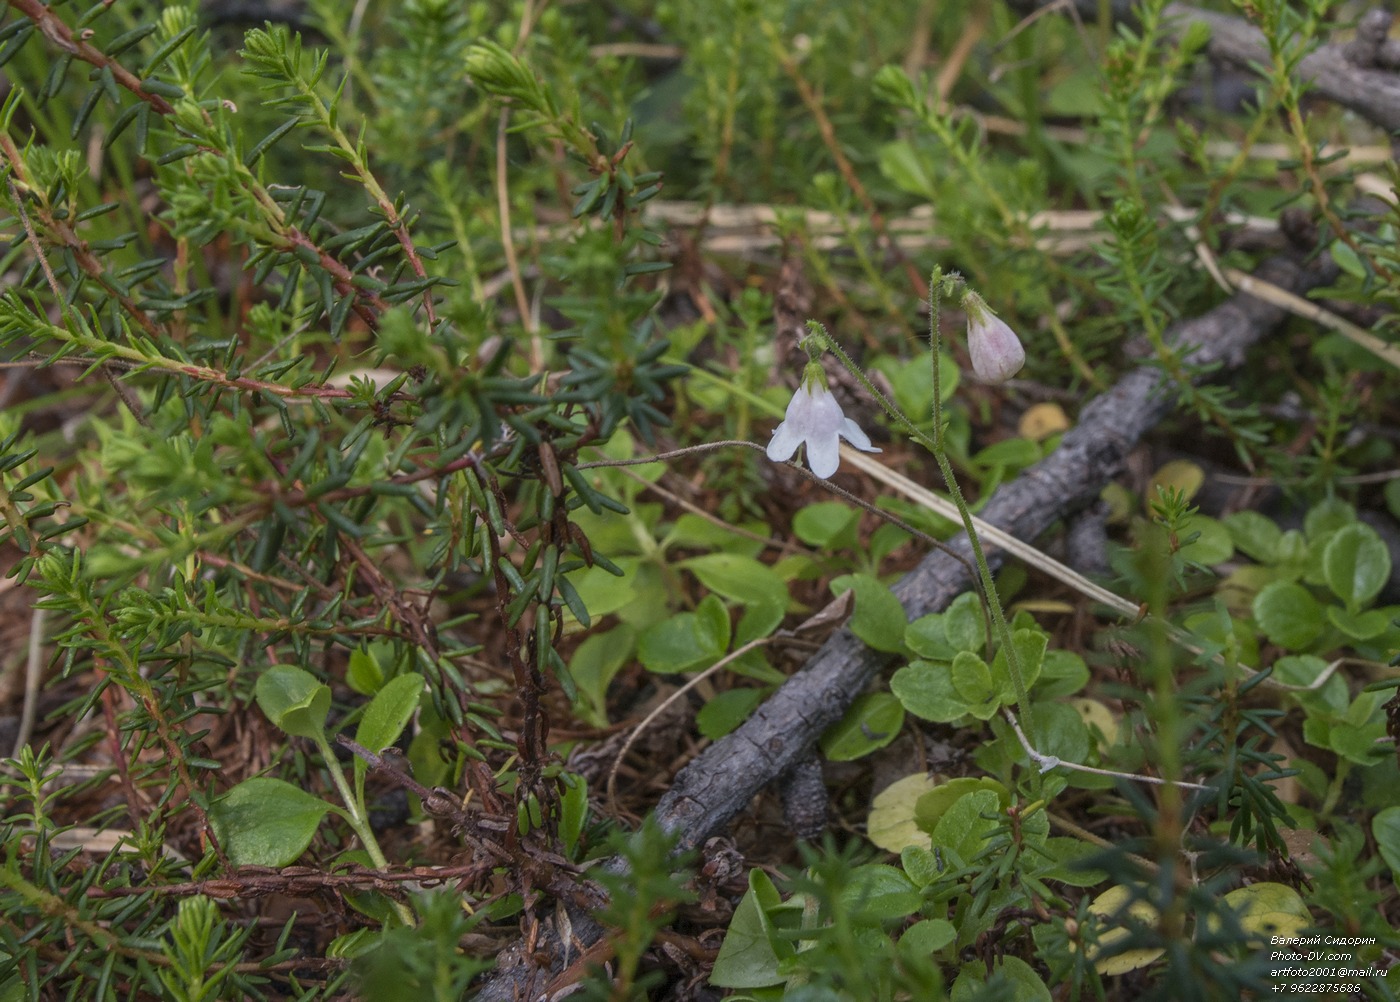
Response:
column 937, row 446
column 1334, row 790
column 352, row 806
column 895, row 414
column 989, row 588
column 359, row 821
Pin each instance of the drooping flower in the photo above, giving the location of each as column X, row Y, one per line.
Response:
column 814, row 418
column 996, row 352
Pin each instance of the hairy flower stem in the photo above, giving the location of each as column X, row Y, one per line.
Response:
column 940, row 453
column 936, row 446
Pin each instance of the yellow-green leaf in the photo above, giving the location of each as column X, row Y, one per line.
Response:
column 891, row 824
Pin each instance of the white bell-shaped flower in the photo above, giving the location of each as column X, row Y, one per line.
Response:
column 814, row 418
column 996, row 352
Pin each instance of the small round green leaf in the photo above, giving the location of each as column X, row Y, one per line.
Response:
column 1288, row 615
column 926, row 690
column 880, row 893
column 827, row 524
column 725, row 711
column 965, row 624
column 1360, row 625
column 1013, row 980
column 737, row 577
column 1386, row 827
column 683, row 642
column 266, row 822
column 1356, row 564
column 965, row 826
column 878, row 618
column 1062, row 673
column 1326, row 517
column 1030, row 648
column 972, row 679
column 926, row 937
column 1069, row 855
column 873, row 721
column 927, row 638
column 603, row 593
column 294, row 701
column 931, row 807
column 1212, row 544
column 1254, row 534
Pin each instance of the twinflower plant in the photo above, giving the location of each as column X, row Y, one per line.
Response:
column 943, row 285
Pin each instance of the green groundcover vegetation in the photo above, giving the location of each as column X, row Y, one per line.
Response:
column 428, row 427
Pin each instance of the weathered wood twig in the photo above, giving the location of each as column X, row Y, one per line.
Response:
column 1330, row 72
column 1354, row 76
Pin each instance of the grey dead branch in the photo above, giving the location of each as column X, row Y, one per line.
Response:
column 1355, row 75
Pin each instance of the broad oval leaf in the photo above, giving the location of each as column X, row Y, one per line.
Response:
column 973, row 680
column 933, row 805
column 891, row 824
column 1016, row 981
column 1030, row 648
column 687, row 640
column 926, row 690
column 873, row 721
column 878, row 619
column 737, row 577
column 1288, row 615
column 749, row 956
column 1118, row 906
column 266, row 822
column 965, row 623
column 295, row 701
column 925, row 937
column 967, row 824
column 1356, row 564
column 1254, row 534
column 880, row 893
column 827, row 524
column 725, row 711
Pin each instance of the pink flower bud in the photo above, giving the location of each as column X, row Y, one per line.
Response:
column 996, row 352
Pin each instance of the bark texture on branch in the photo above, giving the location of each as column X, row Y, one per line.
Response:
column 1351, row 75
column 1329, row 71
column 714, row 788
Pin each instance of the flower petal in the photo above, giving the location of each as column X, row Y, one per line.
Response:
column 823, row 454
column 814, row 419
column 784, row 443
column 852, row 433
column 823, row 414
column 996, row 352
